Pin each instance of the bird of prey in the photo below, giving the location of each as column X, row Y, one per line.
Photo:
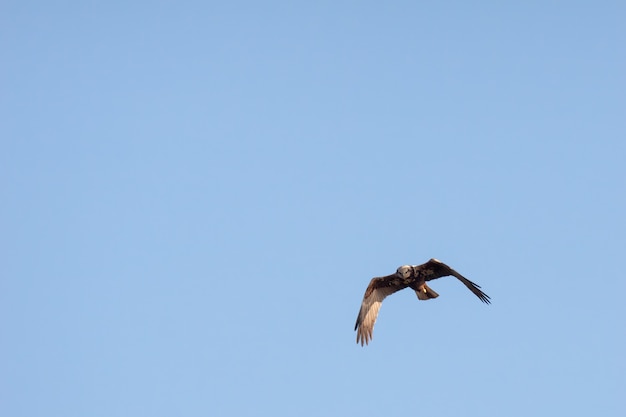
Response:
column 413, row 276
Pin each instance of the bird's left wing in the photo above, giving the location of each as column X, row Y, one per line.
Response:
column 438, row 269
column 376, row 291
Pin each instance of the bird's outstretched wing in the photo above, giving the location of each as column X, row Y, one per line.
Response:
column 434, row 269
column 376, row 291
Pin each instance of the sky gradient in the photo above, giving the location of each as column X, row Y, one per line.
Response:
column 196, row 195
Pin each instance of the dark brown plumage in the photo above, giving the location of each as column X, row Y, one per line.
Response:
column 413, row 276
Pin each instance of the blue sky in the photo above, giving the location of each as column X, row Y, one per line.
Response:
column 196, row 195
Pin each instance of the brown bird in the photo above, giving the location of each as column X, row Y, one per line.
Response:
column 413, row 276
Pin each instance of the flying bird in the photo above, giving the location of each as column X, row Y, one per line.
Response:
column 413, row 276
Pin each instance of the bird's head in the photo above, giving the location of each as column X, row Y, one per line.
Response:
column 404, row 271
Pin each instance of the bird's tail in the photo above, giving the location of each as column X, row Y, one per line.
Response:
column 426, row 293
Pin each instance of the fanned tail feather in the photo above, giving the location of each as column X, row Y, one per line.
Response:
column 426, row 293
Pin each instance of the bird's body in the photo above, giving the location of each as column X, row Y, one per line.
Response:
column 411, row 276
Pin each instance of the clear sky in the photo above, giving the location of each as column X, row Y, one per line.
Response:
column 196, row 195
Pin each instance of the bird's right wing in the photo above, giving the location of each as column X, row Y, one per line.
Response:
column 376, row 291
